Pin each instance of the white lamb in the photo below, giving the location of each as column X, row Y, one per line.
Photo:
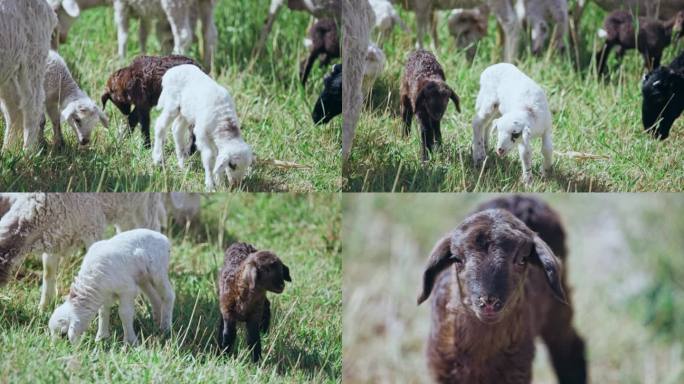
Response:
column 25, row 28
column 375, row 65
column 523, row 114
column 386, row 17
column 58, row 224
column 195, row 103
column 63, row 94
column 118, row 268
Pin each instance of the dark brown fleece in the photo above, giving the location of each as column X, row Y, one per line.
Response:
column 247, row 274
column 325, row 45
column 425, row 94
column 139, row 85
column 495, row 253
column 651, row 40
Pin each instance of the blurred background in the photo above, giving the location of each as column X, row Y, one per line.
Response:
column 625, row 268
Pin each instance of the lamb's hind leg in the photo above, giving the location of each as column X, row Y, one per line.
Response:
column 168, row 297
column 155, row 301
column 180, row 136
column 127, row 314
column 49, row 289
column 160, row 127
column 565, row 346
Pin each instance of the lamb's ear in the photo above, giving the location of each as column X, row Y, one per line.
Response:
column 454, row 97
column 440, row 258
column 106, row 96
column 249, row 274
column 68, row 111
column 71, row 8
column 543, row 257
column 103, row 118
column 286, row 273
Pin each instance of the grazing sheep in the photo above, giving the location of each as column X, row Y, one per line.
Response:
column 317, row 8
column 375, row 65
column 25, row 28
column 660, row 9
column 118, row 268
column 503, row 9
column 650, row 40
column 497, row 281
column 386, row 17
column 324, row 45
column 523, row 114
column 541, row 16
column 425, row 94
column 329, row 103
column 663, row 97
column 57, row 224
column 196, row 104
column 247, row 274
column 139, row 85
column 357, row 21
column 63, row 96
column 468, row 27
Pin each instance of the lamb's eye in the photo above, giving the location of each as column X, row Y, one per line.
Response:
column 522, row 261
column 77, row 121
column 232, row 165
column 515, row 135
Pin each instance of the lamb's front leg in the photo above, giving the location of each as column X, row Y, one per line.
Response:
column 526, row 161
column 254, row 338
column 103, row 321
column 208, row 159
column 49, row 289
column 479, row 139
column 547, row 152
column 127, row 314
column 227, row 336
column 160, row 128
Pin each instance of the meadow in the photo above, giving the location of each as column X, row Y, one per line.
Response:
column 625, row 273
column 274, row 110
column 303, row 344
column 590, row 116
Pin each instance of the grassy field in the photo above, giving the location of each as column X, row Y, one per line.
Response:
column 625, row 273
column 274, row 109
column 303, row 345
column 589, row 116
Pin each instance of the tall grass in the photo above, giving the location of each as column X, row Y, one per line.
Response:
column 589, row 116
column 274, row 109
column 303, row 344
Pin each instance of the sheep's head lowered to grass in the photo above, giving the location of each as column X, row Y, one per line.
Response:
column 491, row 252
column 663, row 99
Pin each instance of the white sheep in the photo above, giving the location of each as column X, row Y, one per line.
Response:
column 62, row 95
column 118, row 268
column 523, row 114
column 192, row 101
column 386, row 17
column 25, row 28
column 182, row 206
column 375, row 65
column 58, row 224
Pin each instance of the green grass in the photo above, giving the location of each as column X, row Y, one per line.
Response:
column 589, row 116
column 274, row 109
column 626, row 307
column 303, row 345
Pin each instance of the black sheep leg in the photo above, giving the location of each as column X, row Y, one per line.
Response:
column 254, row 339
column 406, row 114
column 145, row 126
column 227, row 333
column 266, row 317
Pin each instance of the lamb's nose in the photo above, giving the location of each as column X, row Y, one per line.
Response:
column 489, row 303
column 84, row 141
column 500, row 151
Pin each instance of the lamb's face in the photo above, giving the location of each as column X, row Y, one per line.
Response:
column 658, row 88
column 60, row 320
column 509, row 129
column 329, row 103
column 271, row 272
column 235, row 163
column 468, row 27
column 83, row 115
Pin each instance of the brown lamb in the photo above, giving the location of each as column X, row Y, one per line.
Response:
column 425, row 94
column 497, row 283
column 139, row 85
column 325, row 45
column 652, row 39
column 246, row 276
